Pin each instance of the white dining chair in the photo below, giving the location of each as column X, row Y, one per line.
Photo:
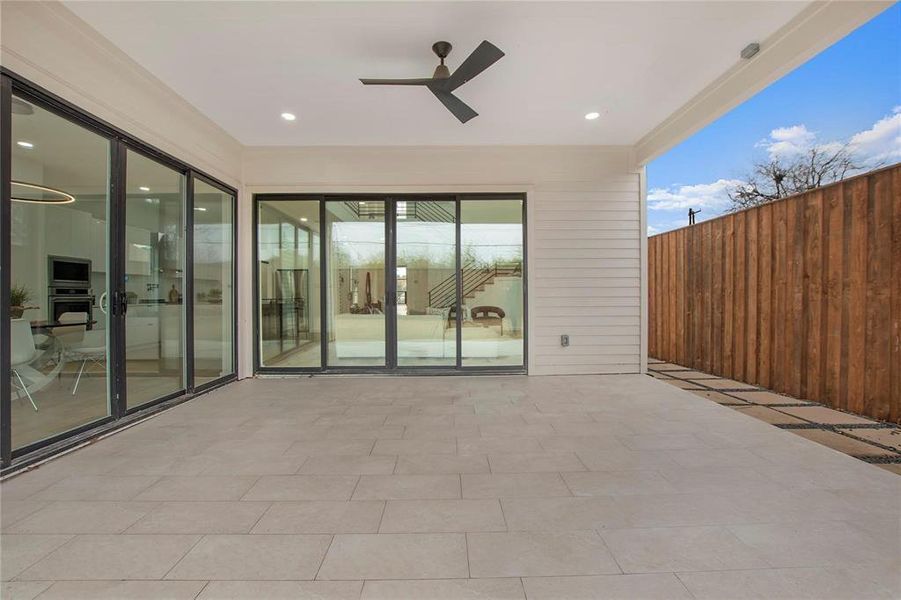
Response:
column 22, row 352
column 91, row 348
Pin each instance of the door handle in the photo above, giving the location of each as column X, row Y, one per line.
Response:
column 104, row 303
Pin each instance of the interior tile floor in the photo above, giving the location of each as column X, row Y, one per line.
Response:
column 452, row 487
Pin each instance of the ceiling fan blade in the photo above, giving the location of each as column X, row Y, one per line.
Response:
column 457, row 107
column 485, row 55
column 424, row 81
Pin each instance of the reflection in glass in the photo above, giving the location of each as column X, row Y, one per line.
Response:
column 492, row 259
column 213, row 285
column 59, row 220
column 154, row 271
column 288, row 272
column 355, row 231
column 426, row 283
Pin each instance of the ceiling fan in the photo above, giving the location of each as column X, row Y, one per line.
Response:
column 443, row 82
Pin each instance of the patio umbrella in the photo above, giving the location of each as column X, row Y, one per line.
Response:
column 368, row 289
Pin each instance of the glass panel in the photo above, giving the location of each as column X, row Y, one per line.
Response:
column 213, row 283
column 492, row 260
column 154, row 263
column 426, row 283
column 288, row 274
column 60, row 183
column 355, row 240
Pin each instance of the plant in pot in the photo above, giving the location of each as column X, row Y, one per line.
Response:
column 18, row 301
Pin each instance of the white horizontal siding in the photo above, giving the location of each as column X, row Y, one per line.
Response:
column 585, row 270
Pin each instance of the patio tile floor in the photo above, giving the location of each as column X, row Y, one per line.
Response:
column 458, row 487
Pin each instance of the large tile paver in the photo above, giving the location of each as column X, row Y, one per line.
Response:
column 281, row 590
column 475, row 482
column 653, row 586
column 253, row 557
column 444, row 589
column 123, row 590
column 116, row 557
column 439, row 516
column 522, row 554
column 670, row 549
column 322, row 517
column 396, row 556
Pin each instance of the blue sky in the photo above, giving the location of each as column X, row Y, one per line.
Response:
column 850, row 92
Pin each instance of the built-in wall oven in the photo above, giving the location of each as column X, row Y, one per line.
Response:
column 69, row 287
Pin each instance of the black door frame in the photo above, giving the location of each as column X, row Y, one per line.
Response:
column 119, row 142
column 390, row 366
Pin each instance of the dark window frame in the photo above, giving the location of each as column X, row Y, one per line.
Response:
column 119, row 140
column 390, row 367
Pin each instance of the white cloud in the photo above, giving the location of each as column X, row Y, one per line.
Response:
column 881, row 143
column 652, row 230
column 787, row 142
column 712, row 196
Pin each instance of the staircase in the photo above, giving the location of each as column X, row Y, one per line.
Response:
column 412, row 210
column 475, row 279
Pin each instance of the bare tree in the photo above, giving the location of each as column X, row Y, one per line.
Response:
column 781, row 177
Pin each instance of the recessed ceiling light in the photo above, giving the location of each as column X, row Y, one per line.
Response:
column 288, row 116
column 303, row 219
column 200, row 208
column 592, row 116
column 25, row 144
column 362, row 204
column 144, row 188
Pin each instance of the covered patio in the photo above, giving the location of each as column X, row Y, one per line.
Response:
column 615, row 486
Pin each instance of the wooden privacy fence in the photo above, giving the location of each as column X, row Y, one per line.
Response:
column 801, row 296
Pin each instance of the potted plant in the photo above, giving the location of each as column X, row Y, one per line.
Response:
column 18, row 299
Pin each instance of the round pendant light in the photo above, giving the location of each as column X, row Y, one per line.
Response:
column 32, row 193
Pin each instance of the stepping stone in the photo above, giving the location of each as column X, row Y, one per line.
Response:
column 842, row 443
column 768, row 415
column 826, row 416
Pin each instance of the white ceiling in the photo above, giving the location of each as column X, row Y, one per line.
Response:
column 244, row 63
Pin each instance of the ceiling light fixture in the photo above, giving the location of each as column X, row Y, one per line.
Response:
column 144, row 188
column 25, row 144
column 592, row 116
column 38, row 194
column 303, row 219
column 200, row 208
column 288, row 116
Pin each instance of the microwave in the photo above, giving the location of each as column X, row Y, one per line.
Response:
column 66, row 271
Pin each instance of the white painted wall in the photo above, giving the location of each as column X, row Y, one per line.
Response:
column 48, row 45
column 584, row 235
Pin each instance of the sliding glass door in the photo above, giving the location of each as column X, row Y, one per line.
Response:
column 426, row 283
column 154, row 280
column 59, row 318
column 407, row 283
column 356, row 282
column 110, row 250
column 213, row 285
column 288, row 284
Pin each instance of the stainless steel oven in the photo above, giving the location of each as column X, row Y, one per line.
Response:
column 63, row 300
column 68, row 272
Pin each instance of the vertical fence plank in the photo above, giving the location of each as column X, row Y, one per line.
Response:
column 879, row 259
column 740, row 295
column 765, row 294
column 716, row 295
column 749, row 343
column 857, row 290
column 834, row 242
column 895, row 358
column 728, row 292
column 794, row 321
column 671, row 301
column 812, row 308
column 780, row 259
